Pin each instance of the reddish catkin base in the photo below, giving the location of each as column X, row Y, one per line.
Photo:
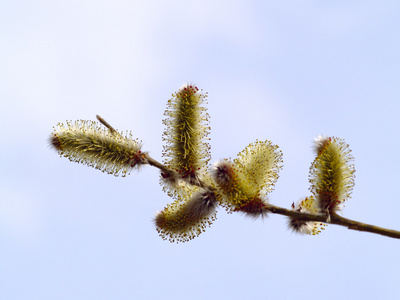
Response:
column 254, row 208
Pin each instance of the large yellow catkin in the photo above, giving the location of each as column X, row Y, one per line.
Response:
column 186, row 150
column 88, row 143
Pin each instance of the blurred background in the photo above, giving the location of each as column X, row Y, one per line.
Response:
column 284, row 71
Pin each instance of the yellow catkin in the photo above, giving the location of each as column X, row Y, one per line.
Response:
column 247, row 180
column 261, row 162
column 183, row 221
column 186, row 132
column 331, row 174
column 88, row 143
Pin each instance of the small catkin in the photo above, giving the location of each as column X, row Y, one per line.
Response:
column 306, row 205
column 331, row 174
column 182, row 221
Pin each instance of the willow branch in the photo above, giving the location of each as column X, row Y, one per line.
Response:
column 355, row 225
column 333, row 218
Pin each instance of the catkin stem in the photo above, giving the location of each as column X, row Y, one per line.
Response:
column 105, row 123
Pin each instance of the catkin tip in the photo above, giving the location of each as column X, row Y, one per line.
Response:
column 222, row 171
column 55, row 142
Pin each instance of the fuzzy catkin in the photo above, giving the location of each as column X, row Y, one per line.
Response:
column 88, row 143
column 247, row 180
column 331, row 174
column 187, row 128
column 182, row 221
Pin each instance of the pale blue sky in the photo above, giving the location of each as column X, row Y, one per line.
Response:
column 285, row 71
